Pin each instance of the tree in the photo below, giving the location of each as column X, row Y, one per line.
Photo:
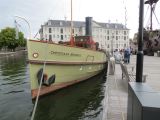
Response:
column 8, row 38
column 1, row 43
column 21, row 40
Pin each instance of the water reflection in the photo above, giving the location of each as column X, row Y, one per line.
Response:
column 15, row 100
column 79, row 102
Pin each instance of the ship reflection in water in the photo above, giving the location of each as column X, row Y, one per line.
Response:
column 83, row 101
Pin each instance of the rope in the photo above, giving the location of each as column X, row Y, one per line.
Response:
column 156, row 17
column 40, row 85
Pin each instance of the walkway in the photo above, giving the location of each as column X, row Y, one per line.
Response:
column 116, row 90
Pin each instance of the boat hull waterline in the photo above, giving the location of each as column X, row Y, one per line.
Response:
column 65, row 64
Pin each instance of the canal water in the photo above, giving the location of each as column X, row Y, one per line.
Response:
column 83, row 101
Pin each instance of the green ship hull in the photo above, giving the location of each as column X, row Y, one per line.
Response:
column 63, row 65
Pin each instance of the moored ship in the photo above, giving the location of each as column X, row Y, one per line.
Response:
column 59, row 65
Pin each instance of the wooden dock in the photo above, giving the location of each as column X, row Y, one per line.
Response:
column 115, row 102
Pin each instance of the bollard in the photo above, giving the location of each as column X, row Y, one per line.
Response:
column 112, row 66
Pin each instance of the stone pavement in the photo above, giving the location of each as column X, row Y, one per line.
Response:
column 116, row 89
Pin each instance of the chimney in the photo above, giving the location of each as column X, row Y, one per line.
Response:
column 89, row 26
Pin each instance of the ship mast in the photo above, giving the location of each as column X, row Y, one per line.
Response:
column 71, row 38
column 152, row 4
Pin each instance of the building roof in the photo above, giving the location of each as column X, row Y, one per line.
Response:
column 64, row 23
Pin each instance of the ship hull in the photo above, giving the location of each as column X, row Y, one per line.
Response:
column 69, row 65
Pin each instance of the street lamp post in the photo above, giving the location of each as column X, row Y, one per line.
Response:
column 27, row 24
column 139, row 66
column 112, row 44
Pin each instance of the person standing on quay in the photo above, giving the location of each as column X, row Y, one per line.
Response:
column 127, row 53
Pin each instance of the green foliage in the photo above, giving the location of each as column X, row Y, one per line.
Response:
column 1, row 43
column 8, row 38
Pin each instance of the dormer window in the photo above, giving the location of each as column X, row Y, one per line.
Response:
column 107, row 25
column 61, row 23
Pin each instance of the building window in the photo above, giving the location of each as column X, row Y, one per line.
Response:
column 117, row 45
column 45, row 37
column 57, row 36
column 107, row 37
column 50, row 37
column 108, row 32
column 124, row 37
column 50, row 30
column 61, row 37
column 124, row 32
column 116, row 37
column 53, row 36
column 61, row 30
column 107, row 46
column 49, row 22
column 53, row 29
column 116, row 32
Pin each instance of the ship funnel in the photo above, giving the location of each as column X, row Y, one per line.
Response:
column 89, row 26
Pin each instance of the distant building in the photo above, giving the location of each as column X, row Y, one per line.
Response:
column 103, row 33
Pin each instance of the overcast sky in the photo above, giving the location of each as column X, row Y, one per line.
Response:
column 39, row 11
